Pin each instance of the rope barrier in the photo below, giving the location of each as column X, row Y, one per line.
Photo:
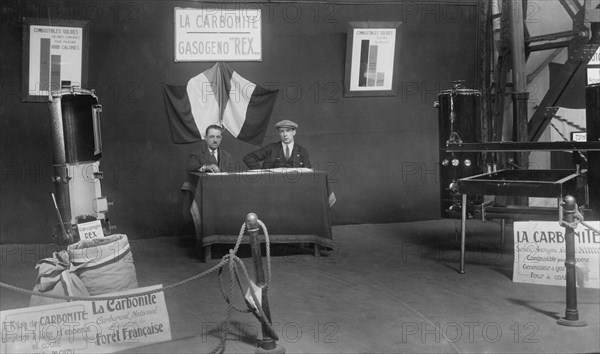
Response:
column 589, row 226
column 578, row 217
column 268, row 252
column 230, row 259
column 113, row 297
column 238, row 242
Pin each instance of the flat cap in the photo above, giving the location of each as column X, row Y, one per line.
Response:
column 286, row 124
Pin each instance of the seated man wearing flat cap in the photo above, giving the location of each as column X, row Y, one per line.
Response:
column 285, row 153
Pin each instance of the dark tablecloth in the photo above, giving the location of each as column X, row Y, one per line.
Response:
column 294, row 206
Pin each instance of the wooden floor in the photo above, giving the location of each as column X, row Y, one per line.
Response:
column 388, row 288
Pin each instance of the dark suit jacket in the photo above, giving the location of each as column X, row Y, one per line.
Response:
column 272, row 156
column 203, row 157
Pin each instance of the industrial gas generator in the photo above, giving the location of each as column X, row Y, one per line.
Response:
column 77, row 149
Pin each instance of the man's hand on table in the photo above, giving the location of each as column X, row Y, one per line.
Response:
column 209, row 168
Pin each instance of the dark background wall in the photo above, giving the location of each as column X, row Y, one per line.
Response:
column 380, row 152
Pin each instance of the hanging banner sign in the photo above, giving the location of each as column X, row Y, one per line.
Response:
column 540, row 254
column 105, row 326
column 218, row 34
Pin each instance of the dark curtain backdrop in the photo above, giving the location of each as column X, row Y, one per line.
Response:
column 381, row 152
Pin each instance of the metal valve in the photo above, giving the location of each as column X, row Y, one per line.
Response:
column 453, row 188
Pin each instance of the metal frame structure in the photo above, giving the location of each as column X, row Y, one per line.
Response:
column 514, row 44
column 581, row 42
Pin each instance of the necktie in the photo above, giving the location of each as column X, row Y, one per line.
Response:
column 213, row 155
column 287, row 152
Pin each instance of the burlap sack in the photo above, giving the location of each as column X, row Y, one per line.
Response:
column 55, row 277
column 105, row 265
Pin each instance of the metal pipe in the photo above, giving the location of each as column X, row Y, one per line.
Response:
column 463, row 227
column 515, row 8
column 546, row 46
column 519, row 77
column 61, row 172
column 552, row 36
column 502, row 232
column 526, row 146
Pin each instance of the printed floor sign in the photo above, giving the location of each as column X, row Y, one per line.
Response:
column 104, row 326
column 540, row 254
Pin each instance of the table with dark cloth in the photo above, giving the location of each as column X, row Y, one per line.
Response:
column 293, row 205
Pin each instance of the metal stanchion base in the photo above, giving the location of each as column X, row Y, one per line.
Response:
column 571, row 323
column 269, row 347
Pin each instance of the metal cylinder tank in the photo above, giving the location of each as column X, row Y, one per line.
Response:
column 458, row 121
column 592, row 114
column 77, row 148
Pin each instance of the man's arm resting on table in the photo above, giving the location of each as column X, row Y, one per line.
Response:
column 195, row 164
column 305, row 159
column 252, row 159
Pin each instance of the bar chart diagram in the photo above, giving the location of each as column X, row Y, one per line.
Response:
column 372, row 59
column 55, row 56
column 368, row 75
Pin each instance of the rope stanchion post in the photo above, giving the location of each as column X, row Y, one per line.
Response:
column 267, row 344
column 571, row 318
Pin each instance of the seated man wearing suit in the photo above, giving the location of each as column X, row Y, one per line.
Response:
column 210, row 157
column 284, row 153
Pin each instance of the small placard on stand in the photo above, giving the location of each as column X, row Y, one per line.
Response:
column 90, row 230
column 540, row 254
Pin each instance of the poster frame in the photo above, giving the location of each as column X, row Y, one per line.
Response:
column 26, row 93
column 353, row 59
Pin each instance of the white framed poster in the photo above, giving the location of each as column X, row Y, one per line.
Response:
column 53, row 54
column 371, row 59
column 218, row 34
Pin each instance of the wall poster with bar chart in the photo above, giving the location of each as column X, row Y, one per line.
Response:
column 371, row 59
column 52, row 54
